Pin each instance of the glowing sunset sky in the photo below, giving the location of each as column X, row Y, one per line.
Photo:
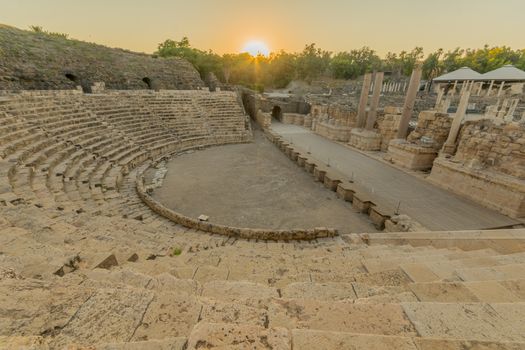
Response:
column 226, row 25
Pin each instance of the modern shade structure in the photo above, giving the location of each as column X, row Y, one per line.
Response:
column 461, row 74
column 506, row 73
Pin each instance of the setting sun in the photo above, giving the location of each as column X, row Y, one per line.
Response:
column 256, row 47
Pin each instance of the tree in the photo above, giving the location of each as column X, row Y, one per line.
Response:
column 312, row 62
column 432, row 66
column 204, row 62
column 281, row 69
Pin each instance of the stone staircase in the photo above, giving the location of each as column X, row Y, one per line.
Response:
column 189, row 290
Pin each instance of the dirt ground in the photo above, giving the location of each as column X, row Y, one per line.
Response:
column 254, row 185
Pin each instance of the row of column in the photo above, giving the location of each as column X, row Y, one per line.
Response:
column 367, row 122
column 393, row 87
column 476, row 88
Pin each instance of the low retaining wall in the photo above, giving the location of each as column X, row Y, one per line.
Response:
column 361, row 199
column 333, row 132
column 238, row 232
column 503, row 193
column 411, row 156
column 506, row 241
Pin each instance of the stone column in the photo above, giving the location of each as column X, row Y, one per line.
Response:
column 503, row 110
column 363, row 100
column 490, row 88
column 480, row 88
column 450, row 144
column 372, row 114
column 410, row 100
column 501, row 88
column 439, row 98
column 446, row 104
column 454, row 87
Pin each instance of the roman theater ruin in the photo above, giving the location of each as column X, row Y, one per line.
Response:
column 141, row 208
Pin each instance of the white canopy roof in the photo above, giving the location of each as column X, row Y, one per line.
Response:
column 462, row 74
column 505, row 73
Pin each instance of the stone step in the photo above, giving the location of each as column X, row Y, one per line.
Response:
column 306, row 339
column 484, row 291
column 340, row 316
column 229, row 336
column 504, row 241
column 162, row 344
column 472, row 321
column 496, row 273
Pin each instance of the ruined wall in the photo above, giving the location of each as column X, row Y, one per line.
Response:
column 37, row 61
column 388, row 124
column 490, row 145
column 342, row 114
column 433, row 126
column 287, row 105
column 263, row 119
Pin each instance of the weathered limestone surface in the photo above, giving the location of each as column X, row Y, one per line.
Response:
column 263, row 119
column 366, row 140
column 333, row 130
column 432, row 126
column 411, row 156
column 494, row 146
column 226, row 336
column 387, row 125
column 421, row 147
column 492, row 189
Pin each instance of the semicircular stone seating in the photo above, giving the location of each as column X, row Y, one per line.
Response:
column 84, row 263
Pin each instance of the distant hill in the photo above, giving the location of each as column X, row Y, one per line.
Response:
column 31, row 60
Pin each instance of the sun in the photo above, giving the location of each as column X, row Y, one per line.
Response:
column 256, row 47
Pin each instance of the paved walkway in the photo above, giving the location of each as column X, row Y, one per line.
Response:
column 432, row 206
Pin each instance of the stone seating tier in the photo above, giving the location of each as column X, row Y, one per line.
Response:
column 87, row 264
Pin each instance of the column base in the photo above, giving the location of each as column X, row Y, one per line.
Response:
column 366, row 140
column 411, row 156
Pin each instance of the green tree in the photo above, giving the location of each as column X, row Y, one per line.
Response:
column 312, row 62
column 432, row 66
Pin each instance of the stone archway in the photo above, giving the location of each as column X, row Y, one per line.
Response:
column 277, row 113
column 86, row 88
column 148, row 82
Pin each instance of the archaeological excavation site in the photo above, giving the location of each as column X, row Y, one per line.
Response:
column 146, row 205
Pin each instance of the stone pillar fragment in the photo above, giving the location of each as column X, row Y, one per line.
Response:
column 372, row 114
column 439, row 98
column 450, row 144
column 454, row 87
column 489, row 91
column 512, row 108
column 480, row 88
column 410, row 100
column 363, row 100
column 501, row 88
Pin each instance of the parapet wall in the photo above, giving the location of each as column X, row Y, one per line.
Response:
column 37, row 61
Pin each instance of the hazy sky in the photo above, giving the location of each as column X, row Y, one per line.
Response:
column 225, row 25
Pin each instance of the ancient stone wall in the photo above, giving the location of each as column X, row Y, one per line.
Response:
column 432, row 127
column 37, row 61
column 489, row 144
column 345, row 115
column 263, row 119
column 388, row 124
